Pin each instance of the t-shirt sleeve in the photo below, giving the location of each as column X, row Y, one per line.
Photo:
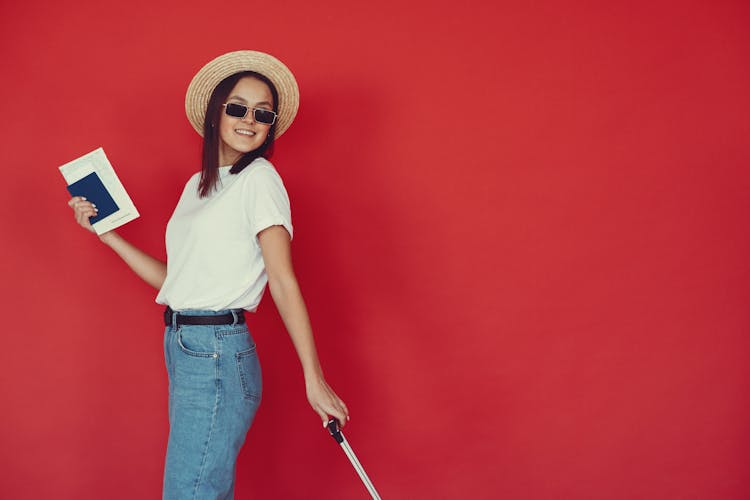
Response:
column 267, row 202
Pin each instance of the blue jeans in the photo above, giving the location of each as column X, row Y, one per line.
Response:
column 214, row 392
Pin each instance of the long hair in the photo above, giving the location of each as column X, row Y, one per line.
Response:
column 212, row 139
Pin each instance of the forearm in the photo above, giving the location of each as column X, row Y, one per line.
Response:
column 149, row 269
column 288, row 299
column 285, row 291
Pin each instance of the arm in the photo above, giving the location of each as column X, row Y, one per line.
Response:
column 149, row 269
column 276, row 248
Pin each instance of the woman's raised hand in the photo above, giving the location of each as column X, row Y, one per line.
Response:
column 82, row 210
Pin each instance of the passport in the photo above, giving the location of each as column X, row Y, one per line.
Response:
column 93, row 177
column 92, row 188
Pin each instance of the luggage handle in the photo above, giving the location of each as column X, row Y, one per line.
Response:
column 333, row 428
column 336, row 434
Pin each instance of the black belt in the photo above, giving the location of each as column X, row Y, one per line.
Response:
column 218, row 319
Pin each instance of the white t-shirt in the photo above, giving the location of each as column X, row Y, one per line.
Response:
column 214, row 259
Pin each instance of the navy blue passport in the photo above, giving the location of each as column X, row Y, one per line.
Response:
column 91, row 188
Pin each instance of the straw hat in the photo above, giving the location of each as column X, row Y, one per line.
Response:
column 205, row 81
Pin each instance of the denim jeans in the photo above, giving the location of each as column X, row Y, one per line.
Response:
column 214, row 392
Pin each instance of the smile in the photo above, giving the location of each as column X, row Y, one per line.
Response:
column 244, row 132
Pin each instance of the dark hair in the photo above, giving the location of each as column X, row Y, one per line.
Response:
column 212, row 139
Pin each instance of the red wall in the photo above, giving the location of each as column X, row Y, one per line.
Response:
column 521, row 230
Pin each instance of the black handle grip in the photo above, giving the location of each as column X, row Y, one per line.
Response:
column 333, row 428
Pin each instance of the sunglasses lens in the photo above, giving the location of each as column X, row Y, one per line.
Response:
column 236, row 110
column 264, row 116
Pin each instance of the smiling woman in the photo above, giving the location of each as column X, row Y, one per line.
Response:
column 234, row 140
column 228, row 238
column 240, row 135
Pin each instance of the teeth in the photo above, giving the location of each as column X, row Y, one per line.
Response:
column 244, row 132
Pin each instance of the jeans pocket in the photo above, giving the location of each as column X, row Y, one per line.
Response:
column 197, row 343
column 248, row 367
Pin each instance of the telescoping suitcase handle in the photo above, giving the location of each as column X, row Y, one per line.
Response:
column 338, row 436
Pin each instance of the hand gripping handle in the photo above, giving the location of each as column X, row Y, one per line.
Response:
column 333, row 428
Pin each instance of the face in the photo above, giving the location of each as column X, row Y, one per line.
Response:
column 242, row 135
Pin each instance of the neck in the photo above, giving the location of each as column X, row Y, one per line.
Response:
column 227, row 157
column 225, row 160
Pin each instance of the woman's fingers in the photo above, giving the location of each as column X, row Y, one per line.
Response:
column 327, row 404
column 342, row 413
column 82, row 204
column 338, row 414
column 337, row 409
column 341, row 417
column 82, row 210
column 85, row 212
column 76, row 200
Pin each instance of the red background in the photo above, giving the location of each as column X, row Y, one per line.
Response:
column 521, row 230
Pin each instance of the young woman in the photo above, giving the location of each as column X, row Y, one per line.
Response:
column 228, row 238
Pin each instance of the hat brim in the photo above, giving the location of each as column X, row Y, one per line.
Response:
column 205, row 81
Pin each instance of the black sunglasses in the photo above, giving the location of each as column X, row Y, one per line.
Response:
column 260, row 115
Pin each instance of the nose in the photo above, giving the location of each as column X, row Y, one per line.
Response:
column 249, row 117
